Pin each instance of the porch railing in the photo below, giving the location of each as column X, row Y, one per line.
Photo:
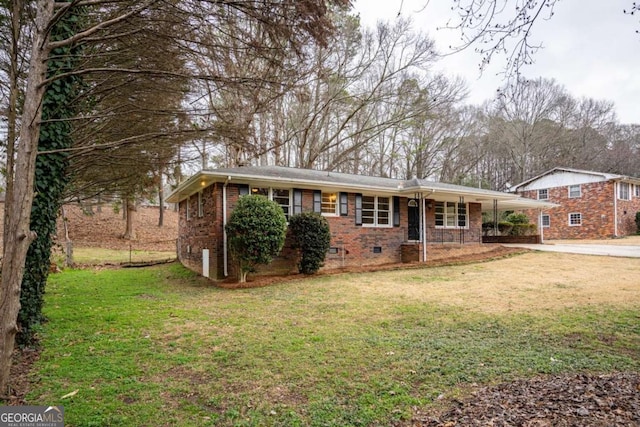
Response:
column 453, row 235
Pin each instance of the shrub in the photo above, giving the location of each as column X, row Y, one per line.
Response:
column 311, row 235
column 517, row 218
column 638, row 222
column 505, row 228
column 523, row 230
column 256, row 232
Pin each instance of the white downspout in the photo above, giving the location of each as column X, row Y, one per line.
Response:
column 225, row 255
column 615, row 209
column 541, row 226
column 423, row 217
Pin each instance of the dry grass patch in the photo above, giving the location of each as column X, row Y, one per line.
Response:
column 531, row 282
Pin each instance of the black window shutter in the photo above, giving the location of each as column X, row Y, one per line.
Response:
column 396, row 211
column 297, row 201
column 317, row 201
column 344, row 205
column 358, row 209
column 243, row 189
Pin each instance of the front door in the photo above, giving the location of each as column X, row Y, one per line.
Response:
column 414, row 219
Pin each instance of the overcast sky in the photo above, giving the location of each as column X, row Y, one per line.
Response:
column 590, row 47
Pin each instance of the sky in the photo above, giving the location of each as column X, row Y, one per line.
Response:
column 590, row 47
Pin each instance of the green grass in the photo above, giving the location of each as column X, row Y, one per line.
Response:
column 160, row 346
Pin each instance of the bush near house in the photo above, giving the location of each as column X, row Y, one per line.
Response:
column 521, row 225
column 311, row 236
column 638, row 222
column 514, row 224
column 256, row 232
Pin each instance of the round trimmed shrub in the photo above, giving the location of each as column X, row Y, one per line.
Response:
column 311, row 236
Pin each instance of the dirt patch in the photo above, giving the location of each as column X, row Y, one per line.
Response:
column 105, row 229
column 567, row 400
column 21, row 364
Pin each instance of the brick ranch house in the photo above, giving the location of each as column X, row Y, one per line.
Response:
column 592, row 205
column 372, row 220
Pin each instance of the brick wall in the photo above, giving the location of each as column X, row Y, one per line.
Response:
column 597, row 207
column 356, row 244
column 198, row 232
column 351, row 245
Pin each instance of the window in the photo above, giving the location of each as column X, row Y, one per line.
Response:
column 450, row 211
column 329, row 203
column 575, row 219
column 281, row 196
column 543, row 194
column 546, row 221
column 451, row 215
column 376, row 211
column 574, row 191
column 200, row 205
column 637, row 190
column 623, row 191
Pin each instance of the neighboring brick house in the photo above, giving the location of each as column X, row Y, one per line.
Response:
column 372, row 220
column 592, row 205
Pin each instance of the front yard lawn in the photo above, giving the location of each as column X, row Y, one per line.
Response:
column 160, row 346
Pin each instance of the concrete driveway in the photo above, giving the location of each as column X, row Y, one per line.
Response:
column 617, row 250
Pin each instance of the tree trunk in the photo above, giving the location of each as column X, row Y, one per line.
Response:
column 130, row 207
column 12, row 108
column 17, row 234
column 161, row 203
column 68, row 243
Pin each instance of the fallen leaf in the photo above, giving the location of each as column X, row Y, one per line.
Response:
column 73, row 393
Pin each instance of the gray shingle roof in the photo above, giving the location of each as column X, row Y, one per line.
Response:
column 285, row 173
column 346, row 180
column 315, row 179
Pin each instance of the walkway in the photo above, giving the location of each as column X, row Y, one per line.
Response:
column 617, row 250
